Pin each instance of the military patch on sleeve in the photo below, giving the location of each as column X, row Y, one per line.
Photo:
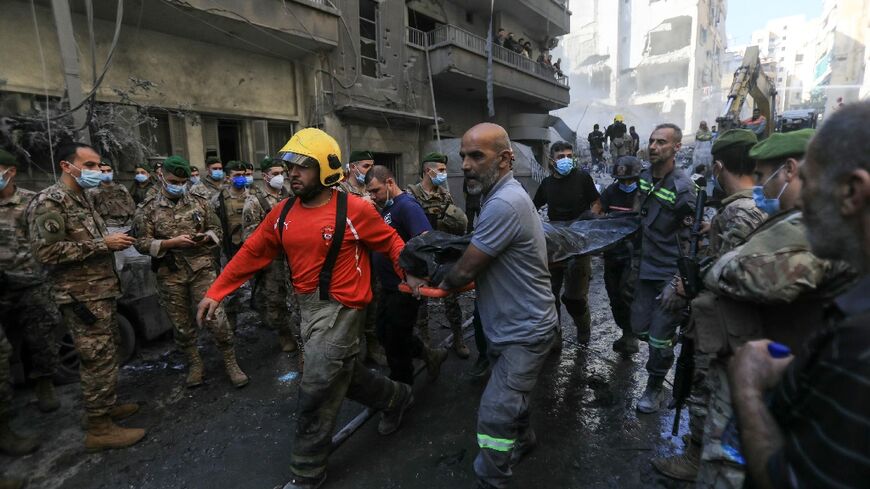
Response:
column 52, row 227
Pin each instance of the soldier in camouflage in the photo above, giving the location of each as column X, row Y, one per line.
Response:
column 434, row 195
column 359, row 164
column 70, row 240
column 112, row 201
column 733, row 173
column 213, row 181
column 179, row 231
column 271, row 286
column 142, row 182
column 772, row 286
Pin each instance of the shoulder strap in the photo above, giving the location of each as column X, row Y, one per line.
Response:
column 325, row 277
column 263, row 202
column 288, row 204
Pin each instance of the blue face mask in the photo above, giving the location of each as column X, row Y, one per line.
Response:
column 439, row 179
column 217, row 175
column 89, row 178
column 106, row 177
column 3, row 181
column 628, row 187
column 360, row 178
column 194, row 180
column 564, row 165
column 769, row 206
column 249, row 180
column 141, row 178
column 239, row 181
column 175, row 190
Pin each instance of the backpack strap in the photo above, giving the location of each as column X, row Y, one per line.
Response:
column 288, row 204
column 325, row 277
column 263, row 202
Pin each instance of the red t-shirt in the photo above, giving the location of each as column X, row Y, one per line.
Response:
column 307, row 236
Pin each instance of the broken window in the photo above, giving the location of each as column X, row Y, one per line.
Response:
column 671, row 35
column 368, row 37
column 657, row 77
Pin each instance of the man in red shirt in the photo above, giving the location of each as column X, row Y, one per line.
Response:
column 332, row 305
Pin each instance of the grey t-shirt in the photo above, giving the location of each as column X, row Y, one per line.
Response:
column 514, row 298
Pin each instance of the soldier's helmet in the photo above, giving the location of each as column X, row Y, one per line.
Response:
column 627, row 167
column 312, row 146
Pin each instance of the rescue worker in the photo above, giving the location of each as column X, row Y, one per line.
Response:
column 570, row 194
column 397, row 311
column 733, row 173
column 112, row 201
column 433, row 194
column 507, row 260
column 69, row 238
column 141, row 182
column 773, row 286
column 635, row 141
column 179, row 230
column 596, row 141
column 616, row 134
column 333, row 293
column 213, row 182
column 666, row 202
column 25, row 299
column 616, row 198
column 757, row 123
column 359, row 164
column 271, row 290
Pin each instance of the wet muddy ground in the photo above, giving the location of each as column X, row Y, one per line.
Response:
column 215, row 436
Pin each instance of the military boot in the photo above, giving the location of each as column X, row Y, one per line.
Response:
column 237, row 377
column 103, row 434
column 627, row 343
column 287, row 342
column 459, row 343
column 11, row 443
column 392, row 418
column 11, row 483
column 433, row 357
column 117, row 413
column 194, row 368
column 46, row 397
column 682, row 467
column 653, row 397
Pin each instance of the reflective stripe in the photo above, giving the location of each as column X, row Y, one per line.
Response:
column 497, row 444
column 661, row 344
column 662, row 194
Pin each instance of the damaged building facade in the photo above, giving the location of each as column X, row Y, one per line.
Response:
column 650, row 59
column 236, row 79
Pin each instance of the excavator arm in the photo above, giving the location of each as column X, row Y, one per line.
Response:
column 750, row 80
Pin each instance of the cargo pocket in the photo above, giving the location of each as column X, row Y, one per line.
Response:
column 337, row 351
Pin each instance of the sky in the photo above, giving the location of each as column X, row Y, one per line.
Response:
column 745, row 16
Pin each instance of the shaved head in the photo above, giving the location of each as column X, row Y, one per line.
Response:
column 486, row 156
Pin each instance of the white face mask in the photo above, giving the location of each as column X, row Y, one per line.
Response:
column 277, row 182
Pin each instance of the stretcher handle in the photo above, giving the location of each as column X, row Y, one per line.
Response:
column 435, row 291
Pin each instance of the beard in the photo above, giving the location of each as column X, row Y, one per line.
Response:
column 309, row 192
column 481, row 183
column 830, row 236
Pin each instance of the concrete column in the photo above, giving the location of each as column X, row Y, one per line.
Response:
column 195, row 144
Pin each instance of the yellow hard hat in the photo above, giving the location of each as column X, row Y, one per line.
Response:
column 313, row 144
column 619, row 118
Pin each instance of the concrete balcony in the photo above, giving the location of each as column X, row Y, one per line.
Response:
column 459, row 58
column 539, row 18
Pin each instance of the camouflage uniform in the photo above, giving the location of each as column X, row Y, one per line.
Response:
column 114, row 204
column 271, row 289
column 773, row 287
column 435, row 205
column 67, row 237
column 346, row 186
column 138, row 192
column 228, row 209
column 207, row 187
column 25, row 294
column 183, row 274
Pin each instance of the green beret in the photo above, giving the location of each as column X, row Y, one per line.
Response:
column 360, row 156
column 211, row 160
column 781, row 145
column 269, row 162
column 436, row 157
column 145, row 166
column 234, row 165
column 7, row 158
column 732, row 137
column 177, row 166
column 194, row 168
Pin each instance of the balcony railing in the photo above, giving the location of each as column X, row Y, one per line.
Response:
column 448, row 34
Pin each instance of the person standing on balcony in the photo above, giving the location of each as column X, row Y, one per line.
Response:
column 527, row 50
column 501, row 37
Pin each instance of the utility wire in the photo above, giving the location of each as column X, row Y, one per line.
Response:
column 44, row 88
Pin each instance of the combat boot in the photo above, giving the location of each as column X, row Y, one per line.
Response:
column 305, row 482
column 117, row 413
column 392, row 418
column 11, row 483
column 433, row 357
column 459, row 344
column 103, row 434
column 683, row 467
column 11, row 443
column 194, row 368
column 287, row 342
column 46, row 398
column 627, row 344
column 237, row 377
column 653, row 396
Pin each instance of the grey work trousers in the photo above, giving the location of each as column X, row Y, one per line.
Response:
column 651, row 323
column 333, row 371
column 503, row 416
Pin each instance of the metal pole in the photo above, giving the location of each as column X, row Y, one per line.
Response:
column 432, row 91
column 71, row 74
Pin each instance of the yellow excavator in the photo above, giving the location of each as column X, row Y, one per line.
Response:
column 750, row 80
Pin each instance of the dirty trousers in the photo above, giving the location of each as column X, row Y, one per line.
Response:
column 575, row 278
column 397, row 313
column 718, row 469
column 96, row 347
column 503, row 416
column 31, row 312
column 654, row 325
column 179, row 292
column 333, row 371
